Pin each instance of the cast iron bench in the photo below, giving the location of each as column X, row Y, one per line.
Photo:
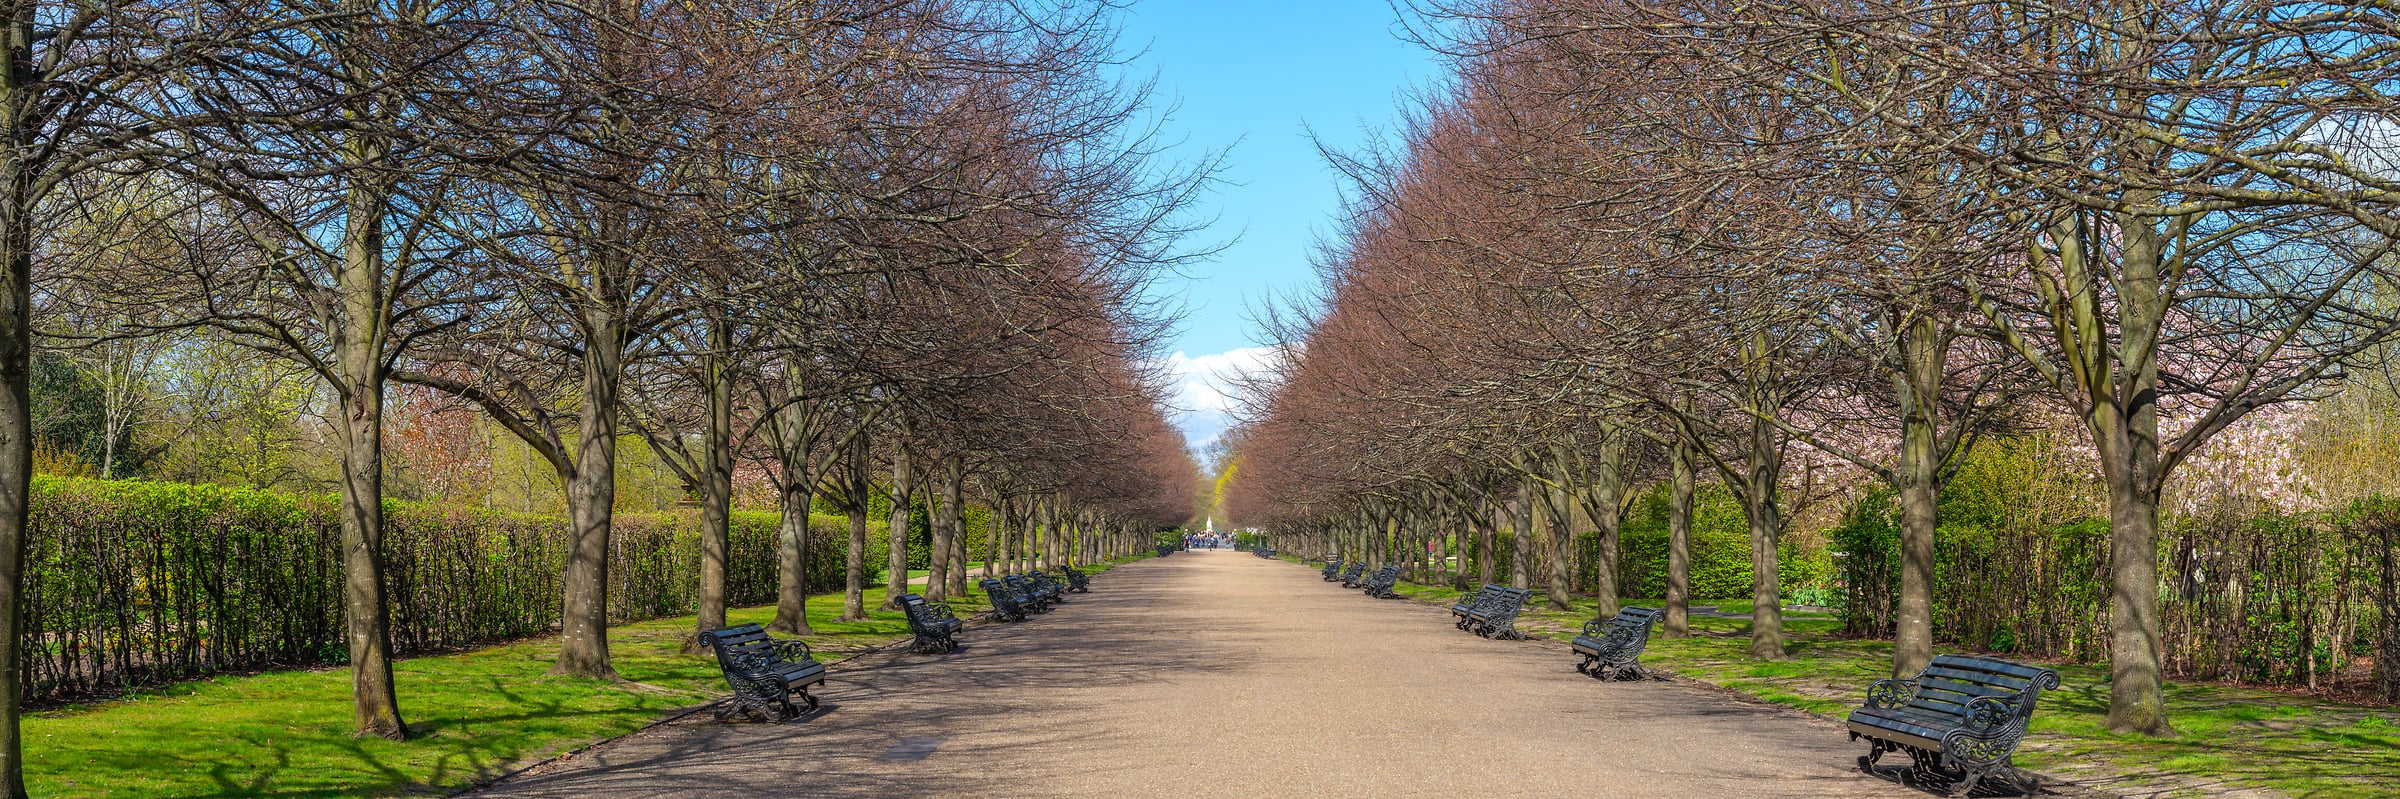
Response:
column 1959, row 720
column 1005, row 606
column 1029, row 593
column 1612, row 647
column 1380, row 583
column 1468, row 603
column 1023, row 592
column 764, row 672
column 1078, row 582
column 1495, row 616
column 933, row 623
column 1046, row 589
column 1350, row 575
column 1162, row 551
column 1333, row 570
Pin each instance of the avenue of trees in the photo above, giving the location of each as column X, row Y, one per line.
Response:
column 1832, row 262
column 777, row 254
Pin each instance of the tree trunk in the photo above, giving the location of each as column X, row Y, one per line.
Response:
column 937, row 514
column 1520, row 518
column 2387, row 653
column 949, row 533
column 359, row 352
column 995, row 529
column 592, row 497
column 1561, row 549
column 2137, row 687
column 792, row 430
column 958, row 530
column 1679, row 541
column 375, row 701
column 1487, row 543
column 16, row 426
column 1919, row 493
column 854, row 561
column 791, row 560
column 1604, row 503
column 716, row 483
column 896, row 560
column 1759, row 500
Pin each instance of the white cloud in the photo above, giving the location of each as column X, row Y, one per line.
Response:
column 1205, row 390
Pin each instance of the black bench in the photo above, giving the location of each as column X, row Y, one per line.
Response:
column 764, row 672
column 1350, row 575
column 933, row 623
column 1005, row 604
column 1047, row 590
column 1468, row 603
column 1162, row 551
column 1380, row 583
column 1333, row 570
column 1496, row 615
column 1024, row 593
column 1029, row 593
column 1612, row 647
column 1078, row 582
column 1959, row 720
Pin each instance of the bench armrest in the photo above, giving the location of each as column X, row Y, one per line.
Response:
column 1891, row 693
column 1595, row 627
column 1990, row 713
column 793, row 651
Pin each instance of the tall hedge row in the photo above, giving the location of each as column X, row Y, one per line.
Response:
column 140, row 583
column 2274, row 599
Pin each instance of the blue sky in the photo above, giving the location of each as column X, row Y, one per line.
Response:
column 1258, row 78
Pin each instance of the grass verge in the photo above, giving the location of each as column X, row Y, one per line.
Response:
column 2231, row 739
column 475, row 715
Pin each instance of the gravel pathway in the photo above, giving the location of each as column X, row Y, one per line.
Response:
column 1218, row 674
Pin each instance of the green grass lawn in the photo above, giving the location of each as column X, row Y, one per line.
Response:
column 2228, row 735
column 475, row 715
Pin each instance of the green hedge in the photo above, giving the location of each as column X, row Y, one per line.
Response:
column 2253, row 597
column 1720, row 549
column 138, row 583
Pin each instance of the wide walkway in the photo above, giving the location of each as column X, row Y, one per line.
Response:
column 1218, row 674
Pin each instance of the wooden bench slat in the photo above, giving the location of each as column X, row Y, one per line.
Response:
column 2008, row 682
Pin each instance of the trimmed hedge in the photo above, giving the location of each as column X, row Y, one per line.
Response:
column 139, row 583
column 1720, row 567
column 2269, row 599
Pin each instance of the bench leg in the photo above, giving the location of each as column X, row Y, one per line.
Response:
column 1973, row 778
column 1866, row 762
column 2025, row 784
column 1925, row 768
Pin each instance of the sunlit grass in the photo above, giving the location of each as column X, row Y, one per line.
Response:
column 2228, row 735
column 475, row 715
